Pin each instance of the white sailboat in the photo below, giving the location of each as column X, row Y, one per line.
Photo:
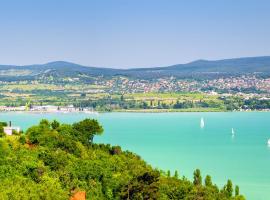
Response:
column 268, row 142
column 202, row 123
column 233, row 133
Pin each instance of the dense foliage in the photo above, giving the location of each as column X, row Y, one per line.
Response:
column 53, row 160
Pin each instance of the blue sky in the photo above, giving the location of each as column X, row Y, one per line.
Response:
column 132, row 33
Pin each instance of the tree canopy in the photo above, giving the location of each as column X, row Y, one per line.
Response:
column 52, row 160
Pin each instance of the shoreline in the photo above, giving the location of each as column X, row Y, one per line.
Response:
column 136, row 111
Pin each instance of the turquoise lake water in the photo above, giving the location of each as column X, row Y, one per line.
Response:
column 176, row 141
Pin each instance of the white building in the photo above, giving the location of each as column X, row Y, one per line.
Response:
column 47, row 108
column 9, row 129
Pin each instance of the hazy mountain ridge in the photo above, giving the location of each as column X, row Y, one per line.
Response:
column 196, row 69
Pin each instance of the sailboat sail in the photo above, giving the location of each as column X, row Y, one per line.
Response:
column 202, row 123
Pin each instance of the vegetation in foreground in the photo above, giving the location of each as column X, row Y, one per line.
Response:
column 53, row 161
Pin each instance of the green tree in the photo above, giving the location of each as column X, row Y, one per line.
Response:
column 55, row 124
column 229, row 188
column 145, row 186
column 197, row 178
column 176, row 175
column 2, row 124
column 14, row 132
column 34, row 134
column 168, row 173
column 86, row 130
column 44, row 123
column 208, row 181
column 2, row 134
column 237, row 190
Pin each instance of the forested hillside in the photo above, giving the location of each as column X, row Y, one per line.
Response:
column 200, row 69
column 54, row 161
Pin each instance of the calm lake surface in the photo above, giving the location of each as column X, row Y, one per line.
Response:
column 176, row 141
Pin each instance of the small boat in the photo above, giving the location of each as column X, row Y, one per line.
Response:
column 232, row 131
column 268, row 142
column 202, row 123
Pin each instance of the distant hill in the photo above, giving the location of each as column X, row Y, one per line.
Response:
column 206, row 68
column 196, row 69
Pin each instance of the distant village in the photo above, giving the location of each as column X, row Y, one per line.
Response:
column 245, row 83
column 248, row 92
column 47, row 109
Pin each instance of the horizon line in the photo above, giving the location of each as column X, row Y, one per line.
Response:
column 127, row 68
